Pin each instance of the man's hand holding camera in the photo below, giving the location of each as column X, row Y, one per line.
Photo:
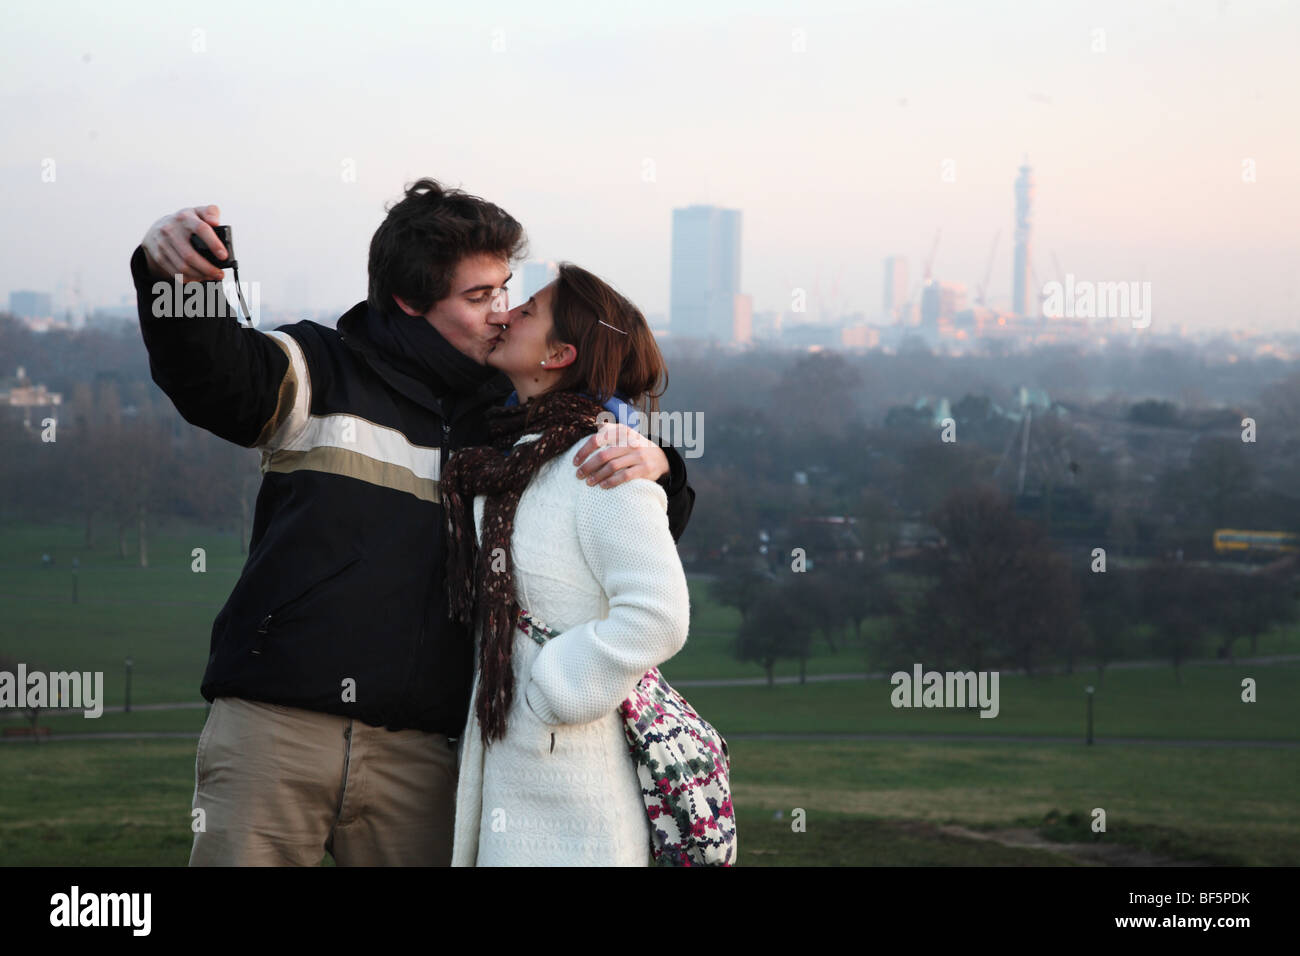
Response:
column 168, row 250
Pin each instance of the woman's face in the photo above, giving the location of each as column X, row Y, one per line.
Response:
column 522, row 346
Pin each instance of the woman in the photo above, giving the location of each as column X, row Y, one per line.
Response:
column 546, row 777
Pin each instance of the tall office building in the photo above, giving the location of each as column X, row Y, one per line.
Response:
column 941, row 300
column 895, row 286
column 1023, row 301
column 705, row 273
column 31, row 305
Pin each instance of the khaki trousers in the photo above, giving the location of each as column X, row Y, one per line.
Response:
column 281, row 786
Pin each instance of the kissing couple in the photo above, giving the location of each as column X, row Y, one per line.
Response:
column 461, row 580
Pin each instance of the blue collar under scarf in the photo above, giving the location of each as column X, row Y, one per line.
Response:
column 615, row 405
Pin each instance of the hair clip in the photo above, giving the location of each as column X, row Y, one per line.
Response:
column 608, row 326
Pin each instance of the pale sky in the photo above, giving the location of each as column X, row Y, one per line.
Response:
column 834, row 152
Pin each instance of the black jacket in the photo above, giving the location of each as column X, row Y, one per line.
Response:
column 341, row 606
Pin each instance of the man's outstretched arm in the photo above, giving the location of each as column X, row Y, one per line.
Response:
column 235, row 382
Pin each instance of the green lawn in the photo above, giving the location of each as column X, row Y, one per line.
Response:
column 1210, row 804
column 160, row 616
column 1128, row 703
column 115, row 803
column 867, row 802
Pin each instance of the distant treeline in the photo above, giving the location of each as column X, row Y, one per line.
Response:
column 1150, row 469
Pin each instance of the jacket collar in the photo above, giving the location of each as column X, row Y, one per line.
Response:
column 448, row 405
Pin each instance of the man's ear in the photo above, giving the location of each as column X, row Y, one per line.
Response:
column 565, row 355
column 404, row 307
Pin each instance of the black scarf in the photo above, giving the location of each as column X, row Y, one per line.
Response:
column 414, row 349
column 481, row 590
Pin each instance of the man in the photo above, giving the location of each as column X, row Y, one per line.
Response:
column 336, row 676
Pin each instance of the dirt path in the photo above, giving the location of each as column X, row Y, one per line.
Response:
column 1087, row 854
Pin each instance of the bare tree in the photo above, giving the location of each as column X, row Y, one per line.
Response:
column 999, row 594
column 774, row 630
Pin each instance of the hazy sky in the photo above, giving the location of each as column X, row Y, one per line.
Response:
column 833, row 152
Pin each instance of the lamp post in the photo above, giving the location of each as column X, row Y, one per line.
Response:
column 1089, row 691
column 130, row 663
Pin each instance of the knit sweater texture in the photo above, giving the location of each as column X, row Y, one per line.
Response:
column 599, row 566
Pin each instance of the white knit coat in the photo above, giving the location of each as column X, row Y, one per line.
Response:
column 598, row 565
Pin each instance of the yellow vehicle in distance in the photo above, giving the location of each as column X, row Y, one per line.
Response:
column 1231, row 540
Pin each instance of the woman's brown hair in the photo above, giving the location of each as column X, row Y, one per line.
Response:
column 617, row 352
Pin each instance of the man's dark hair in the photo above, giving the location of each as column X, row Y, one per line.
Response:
column 415, row 250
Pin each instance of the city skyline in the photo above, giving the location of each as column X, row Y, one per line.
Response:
column 1152, row 132
column 707, row 253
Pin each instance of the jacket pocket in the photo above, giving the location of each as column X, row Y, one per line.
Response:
column 288, row 608
column 548, row 734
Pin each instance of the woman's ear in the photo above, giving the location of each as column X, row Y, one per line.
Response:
column 561, row 355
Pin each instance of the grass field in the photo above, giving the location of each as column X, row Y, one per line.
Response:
column 127, row 802
column 161, row 616
column 1130, row 703
column 866, row 802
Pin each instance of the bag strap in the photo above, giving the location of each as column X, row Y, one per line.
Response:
column 534, row 628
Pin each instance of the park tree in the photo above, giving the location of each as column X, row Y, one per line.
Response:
column 1109, row 609
column 136, row 465
column 1176, row 601
column 932, row 470
column 739, row 585
column 879, row 523
column 775, row 630
column 750, row 441
column 999, row 594
column 1218, row 478
column 1249, row 604
column 1154, row 412
column 32, row 714
column 817, row 394
column 928, row 631
column 729, row 526
column 1281, row 403
column 864, row 593
column 818, row 596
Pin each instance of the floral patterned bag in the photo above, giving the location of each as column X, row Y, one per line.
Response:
column 683, row 766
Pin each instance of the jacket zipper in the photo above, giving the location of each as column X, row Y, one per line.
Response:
column 264, row 628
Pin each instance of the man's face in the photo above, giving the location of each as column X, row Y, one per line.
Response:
column 471, row 315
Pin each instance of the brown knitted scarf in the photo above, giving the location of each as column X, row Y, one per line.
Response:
column 480, row 577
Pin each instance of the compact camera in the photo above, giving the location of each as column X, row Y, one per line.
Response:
column 201, row 247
